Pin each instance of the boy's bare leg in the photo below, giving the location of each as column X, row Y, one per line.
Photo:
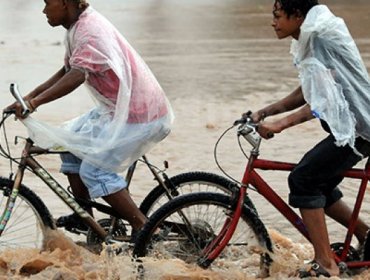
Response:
column 79, row 189
column 314, row 220
column 341, row 213
column 122, row 202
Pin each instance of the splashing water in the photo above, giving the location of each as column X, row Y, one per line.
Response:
column 63, row 259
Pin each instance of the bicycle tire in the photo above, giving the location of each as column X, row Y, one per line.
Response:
column 29, row 221
column 249, row 242
column 189, row 182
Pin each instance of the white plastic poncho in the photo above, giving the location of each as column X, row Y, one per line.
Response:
column 132, row 112
column 334, row 79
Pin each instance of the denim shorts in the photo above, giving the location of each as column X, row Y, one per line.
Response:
column 314, row 181
column 99, row 182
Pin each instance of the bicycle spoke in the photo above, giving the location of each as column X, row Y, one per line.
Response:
column 25, row 227
column 206, row 222
column 18, row 218
column 192, row 239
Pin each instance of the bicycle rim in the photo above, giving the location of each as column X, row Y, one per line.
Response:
column 185, row 183
column 206, row 214
column 26, row 227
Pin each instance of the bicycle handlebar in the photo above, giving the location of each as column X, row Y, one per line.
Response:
column 248, row 121
column 248, row 129
column 15, row 92
column 246, row 118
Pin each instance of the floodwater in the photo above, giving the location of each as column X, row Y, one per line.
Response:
column 215, row 59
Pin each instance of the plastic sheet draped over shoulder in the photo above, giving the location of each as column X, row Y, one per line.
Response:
column 333, row 76
column 132, row 111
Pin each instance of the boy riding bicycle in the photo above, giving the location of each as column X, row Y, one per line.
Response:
column 132, row 112
column 335, row 88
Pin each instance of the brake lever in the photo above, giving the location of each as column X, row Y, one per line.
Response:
column 246, row 117
column 9, row 111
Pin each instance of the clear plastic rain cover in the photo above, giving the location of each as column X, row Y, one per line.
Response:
column 333, row 76
column 132, row 112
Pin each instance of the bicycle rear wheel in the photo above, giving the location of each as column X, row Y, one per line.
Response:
column 29, row 219
column 206, row 213
column 186, row 183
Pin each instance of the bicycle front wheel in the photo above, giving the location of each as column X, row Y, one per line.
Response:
column 188, row 224
column 186, row 183
column 29, row 219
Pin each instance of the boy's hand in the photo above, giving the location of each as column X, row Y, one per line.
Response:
column 267, row 129
column 258, row 116
column 19, row 109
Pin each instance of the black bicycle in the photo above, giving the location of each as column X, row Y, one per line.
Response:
column 25, row 218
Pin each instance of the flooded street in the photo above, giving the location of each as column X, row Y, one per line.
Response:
column 215, row 60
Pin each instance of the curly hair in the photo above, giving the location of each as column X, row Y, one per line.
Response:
column 291, row 7
column 82, row 4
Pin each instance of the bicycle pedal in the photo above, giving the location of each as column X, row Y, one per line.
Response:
column 72, row 223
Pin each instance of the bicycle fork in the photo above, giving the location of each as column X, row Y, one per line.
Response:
column 214, row 249
column 12, row 197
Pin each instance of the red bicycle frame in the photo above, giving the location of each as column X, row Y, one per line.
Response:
column 251, row 177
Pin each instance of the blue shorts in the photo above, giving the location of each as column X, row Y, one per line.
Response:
column 99, row 182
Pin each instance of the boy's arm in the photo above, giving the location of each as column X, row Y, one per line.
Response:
column 44, row 86
column 37, row 91
column 266, row 129
column 63, row 86
column 290, row 102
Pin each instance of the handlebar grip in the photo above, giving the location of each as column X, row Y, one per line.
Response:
column 269, row 134
column 19, row 98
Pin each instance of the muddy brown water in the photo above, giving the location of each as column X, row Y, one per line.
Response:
column 215, row 59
